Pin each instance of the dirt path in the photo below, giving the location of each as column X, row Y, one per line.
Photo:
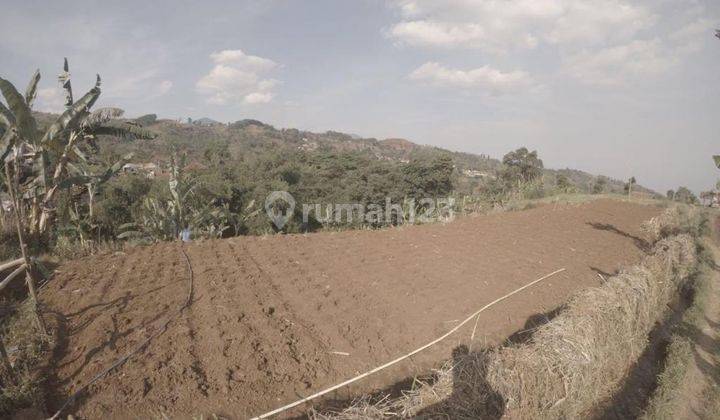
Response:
column 277, row 318
column 704, row 370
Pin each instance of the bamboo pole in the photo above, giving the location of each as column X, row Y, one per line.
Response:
column 11, row 276
column 11, row 264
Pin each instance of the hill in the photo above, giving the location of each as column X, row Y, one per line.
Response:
column 249, row 137
column 227, row 172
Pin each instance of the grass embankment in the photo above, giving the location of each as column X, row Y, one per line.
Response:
column 690, row 379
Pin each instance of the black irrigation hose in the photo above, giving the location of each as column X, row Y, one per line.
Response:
column 141, row 346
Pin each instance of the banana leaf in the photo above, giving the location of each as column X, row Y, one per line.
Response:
column 79, row 153
column 7, row 119
column 7, row 141
column 70, row 118
column 123, row 130
column 31, row 91
column 101, row 116
column 64, row 78
column 24, row 121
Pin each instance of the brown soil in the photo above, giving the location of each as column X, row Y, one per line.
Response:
column 268, row 312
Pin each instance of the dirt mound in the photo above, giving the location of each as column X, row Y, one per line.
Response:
column 277, row 318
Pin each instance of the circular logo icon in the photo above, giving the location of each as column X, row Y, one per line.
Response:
column 275, row 211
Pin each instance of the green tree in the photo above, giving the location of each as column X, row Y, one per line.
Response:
column 684, row 195
column 563, row 184
column 600, row 184
column 429, row 177
column 521, row 166
column 670, row 195
column 629, row 185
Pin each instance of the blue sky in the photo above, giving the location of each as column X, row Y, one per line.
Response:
column 617, row 87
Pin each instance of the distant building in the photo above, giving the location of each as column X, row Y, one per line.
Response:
column 474, row 173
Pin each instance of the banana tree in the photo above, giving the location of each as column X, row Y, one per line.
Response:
column 166, row 219
column 82, row 173
column 41, row 161
column 35, row 163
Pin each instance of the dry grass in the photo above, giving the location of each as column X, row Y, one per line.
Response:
column 69, row 249
column 573, row 362
column 663, row 402
column 675, row 220
column 27, row 350
column 580, row 357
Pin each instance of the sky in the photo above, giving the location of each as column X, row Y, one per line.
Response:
column 616, row 87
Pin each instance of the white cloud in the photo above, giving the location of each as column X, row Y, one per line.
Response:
column 596, row 22
column 258, row 98
column 690, row 37
column 452, row 35
column 237, row 77
column 486, row 79
column 142, row 86
column 164, row 87
column 619, row 64
column 499, row 25
column 50, row 99
column 640, row 58
column 608, row 42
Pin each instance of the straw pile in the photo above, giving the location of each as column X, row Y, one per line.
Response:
column 579, row 358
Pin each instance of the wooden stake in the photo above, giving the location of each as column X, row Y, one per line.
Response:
column 12, row 189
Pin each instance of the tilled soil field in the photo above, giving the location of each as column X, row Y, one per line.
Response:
column 274, row 319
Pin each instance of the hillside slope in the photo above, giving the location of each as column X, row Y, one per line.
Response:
column 248, row 137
